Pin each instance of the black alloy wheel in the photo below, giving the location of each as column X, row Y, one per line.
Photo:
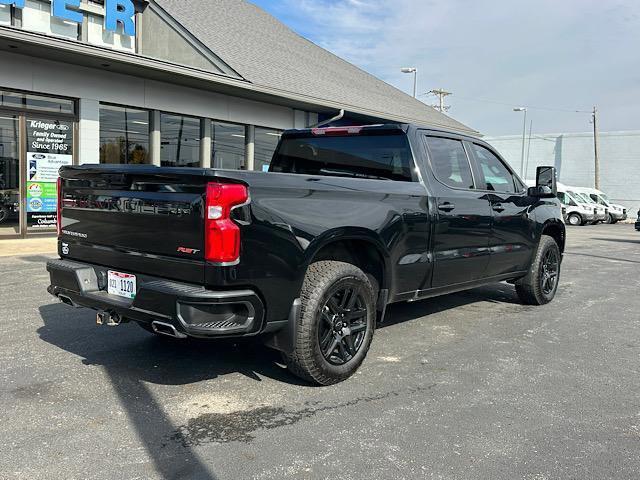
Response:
column 540, row 285
column 344, row 325
column 550, row 271
column 336, row 325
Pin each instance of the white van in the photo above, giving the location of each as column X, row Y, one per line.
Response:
column 615, row 212
column 602, row 212
column 577, row 211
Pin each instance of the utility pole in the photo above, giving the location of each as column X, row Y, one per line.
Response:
column 441, row 94
column 596, row 150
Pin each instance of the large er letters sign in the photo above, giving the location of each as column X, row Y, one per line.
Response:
column 116, row 11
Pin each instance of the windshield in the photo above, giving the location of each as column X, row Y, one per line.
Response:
column 378, row 156
column 577, row 198
column 586, row 198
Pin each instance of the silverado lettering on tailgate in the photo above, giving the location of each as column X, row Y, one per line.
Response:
column 129, row 205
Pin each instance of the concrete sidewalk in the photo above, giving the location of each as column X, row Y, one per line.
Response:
column 28, row 246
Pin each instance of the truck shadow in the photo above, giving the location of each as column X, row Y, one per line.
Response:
column 494, row 293
column 136, row 354
column 131, row 358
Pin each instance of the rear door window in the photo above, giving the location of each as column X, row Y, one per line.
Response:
column 449, row 162
column 497, row 177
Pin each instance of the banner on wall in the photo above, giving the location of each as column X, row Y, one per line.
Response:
column 49, row 147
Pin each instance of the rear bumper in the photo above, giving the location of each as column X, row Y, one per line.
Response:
column 190, row 309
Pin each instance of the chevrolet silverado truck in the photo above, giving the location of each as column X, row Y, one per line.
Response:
column 305, row 257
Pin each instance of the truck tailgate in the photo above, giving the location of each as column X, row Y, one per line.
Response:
column 144, row 220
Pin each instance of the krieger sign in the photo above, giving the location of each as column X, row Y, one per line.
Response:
column 116, row 11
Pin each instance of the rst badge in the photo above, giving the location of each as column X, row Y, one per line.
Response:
column 188, row 251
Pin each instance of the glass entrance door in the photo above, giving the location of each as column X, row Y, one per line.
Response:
column 10, row 199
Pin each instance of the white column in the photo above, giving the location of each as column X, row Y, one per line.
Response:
column 205, row 143
column 250, row 146
column 312, row 119
column 300, row 119
column 155, row 138
column 89, row 131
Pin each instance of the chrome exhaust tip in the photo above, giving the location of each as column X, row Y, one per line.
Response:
column 114, row 320
column 166, row 329
column 102, row 318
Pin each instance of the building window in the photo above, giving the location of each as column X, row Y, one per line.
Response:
column 5, row 14
column 124, row 135
column 180, row 141
column 266, row 142
column 97, row 35
column 227, row 145
column 46, row 104
column 12, row 99
column 36, row 102
column 36, row 16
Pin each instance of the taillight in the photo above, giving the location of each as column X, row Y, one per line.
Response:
column 59, row 208
column 222, row 235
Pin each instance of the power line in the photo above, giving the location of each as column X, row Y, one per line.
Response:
column 550, row 109
column 441, row 94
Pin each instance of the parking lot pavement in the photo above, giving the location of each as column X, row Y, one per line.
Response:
column 472, row 385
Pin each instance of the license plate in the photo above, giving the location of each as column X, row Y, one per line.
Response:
column 122, row 284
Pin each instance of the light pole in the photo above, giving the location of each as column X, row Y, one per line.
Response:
column 524, row 136
column 596, row 149
column 413, row 70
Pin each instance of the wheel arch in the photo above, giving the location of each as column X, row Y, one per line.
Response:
column 556, row 230
column 360, row 247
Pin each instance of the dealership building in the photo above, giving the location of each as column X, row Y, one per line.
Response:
column 209, row 83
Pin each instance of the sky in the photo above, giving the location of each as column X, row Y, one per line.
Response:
column 555, row 57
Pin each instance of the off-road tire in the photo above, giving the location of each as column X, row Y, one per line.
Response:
column 530, row 289
column 307, row 360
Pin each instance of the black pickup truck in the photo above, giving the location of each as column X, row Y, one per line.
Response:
column 307, row 256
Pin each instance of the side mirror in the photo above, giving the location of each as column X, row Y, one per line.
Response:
column 546, row 186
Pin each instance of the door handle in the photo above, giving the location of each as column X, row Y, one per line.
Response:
column 498, row 207
column 446, row 206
